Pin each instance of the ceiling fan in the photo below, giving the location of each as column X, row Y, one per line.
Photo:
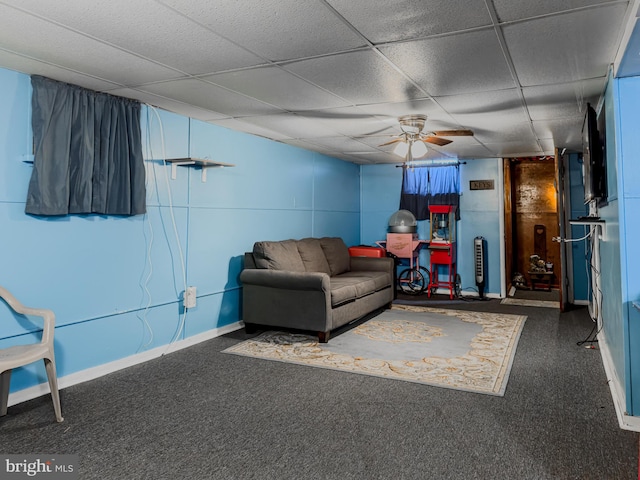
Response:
column 412, row 141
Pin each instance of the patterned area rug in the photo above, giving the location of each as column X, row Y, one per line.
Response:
column 463, row 350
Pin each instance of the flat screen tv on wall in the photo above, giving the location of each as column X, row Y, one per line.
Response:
column 594, row 171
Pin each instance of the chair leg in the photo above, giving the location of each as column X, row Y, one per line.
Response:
column 53, row 385
column 5, row 379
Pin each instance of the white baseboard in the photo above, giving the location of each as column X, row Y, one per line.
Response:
column 101, row 370
column 625, row 421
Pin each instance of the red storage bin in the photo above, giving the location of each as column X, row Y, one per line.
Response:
column 364, row 251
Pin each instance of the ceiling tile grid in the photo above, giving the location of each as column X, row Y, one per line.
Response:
column 410, row 19
column 274, row 29
column 194, row 54
column 361, row 77
column 334, row 75
column 461, row 63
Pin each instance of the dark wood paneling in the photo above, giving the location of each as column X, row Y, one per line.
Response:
column 534, row 203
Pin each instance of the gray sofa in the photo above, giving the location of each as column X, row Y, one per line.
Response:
column 312, row 284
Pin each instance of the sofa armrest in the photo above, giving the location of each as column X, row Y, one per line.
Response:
column 375, row 264
column 285, row 279
column 282, row 298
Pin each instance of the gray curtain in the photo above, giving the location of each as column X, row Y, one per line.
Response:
column 88, row 152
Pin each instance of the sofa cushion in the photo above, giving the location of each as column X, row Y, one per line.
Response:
column 380, row 279
column 342, row 290
column 312, row 256
column 281, row 255
column 337, row 254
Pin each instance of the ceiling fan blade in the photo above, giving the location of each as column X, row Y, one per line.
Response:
column 454, row 133
column 392, row 141
column 437, row 141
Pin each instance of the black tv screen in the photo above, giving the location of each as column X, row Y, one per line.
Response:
column 593, row 157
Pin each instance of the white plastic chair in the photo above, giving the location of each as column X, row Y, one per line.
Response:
column 21, row 355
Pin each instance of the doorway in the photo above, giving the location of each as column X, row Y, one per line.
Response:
column 533, row 262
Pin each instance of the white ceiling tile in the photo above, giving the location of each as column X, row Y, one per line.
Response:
column 32, row 66
column 565, row 132
column 240, row 125
column 277, row 87
column 296, row 142
column 274, row 29
column 427, row 107
column 515, row 149
column 451, row 64
column 360, row 77
column 148, row 29
column 404, row 19
column 168, row 104
column 210, row 97
column 352, row 121
column 504, row 126
column 292, row 125
column 70, row 50
column 567, row 47
column 341, row 144
column 489, row 102
column 488, row 128
column 548, row 146
column 508, row 10
column 375, row 141
column 473, row 151
column 563, row 100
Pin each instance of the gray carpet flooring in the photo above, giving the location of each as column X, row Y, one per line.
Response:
column 202, row 414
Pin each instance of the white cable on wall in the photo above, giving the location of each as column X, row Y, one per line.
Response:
column 147, row 225
column 595, row 306
column 173, row 222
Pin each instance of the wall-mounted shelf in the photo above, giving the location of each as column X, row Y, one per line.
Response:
column 593, row 222
column 199, row 162
column 587, row 221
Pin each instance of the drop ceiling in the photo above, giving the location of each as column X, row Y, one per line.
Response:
column 333, row 75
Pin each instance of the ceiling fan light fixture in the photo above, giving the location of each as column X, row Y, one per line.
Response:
column 401, row 149
column 418, row 149
column 412, row 124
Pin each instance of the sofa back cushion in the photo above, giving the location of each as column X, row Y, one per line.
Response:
column 281, row 255
column 313, row 256
column 337, row 254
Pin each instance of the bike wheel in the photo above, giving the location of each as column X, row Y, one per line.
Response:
column 457, row 287
column 411, row 281
column 427, row 278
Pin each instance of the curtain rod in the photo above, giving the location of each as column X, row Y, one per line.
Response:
column 434, row 164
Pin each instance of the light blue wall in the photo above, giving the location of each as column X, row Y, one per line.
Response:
column 115, row 284
column 480, row 215
column 578, row 209
column 622, row 325
column 614, row 319
column 380, row 187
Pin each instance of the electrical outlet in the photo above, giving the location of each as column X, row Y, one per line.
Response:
column 190, row 297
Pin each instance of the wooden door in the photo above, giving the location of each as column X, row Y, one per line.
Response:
column 563, row 206
column 508, row 223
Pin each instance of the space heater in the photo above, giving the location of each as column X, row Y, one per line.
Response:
column 480, row 264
